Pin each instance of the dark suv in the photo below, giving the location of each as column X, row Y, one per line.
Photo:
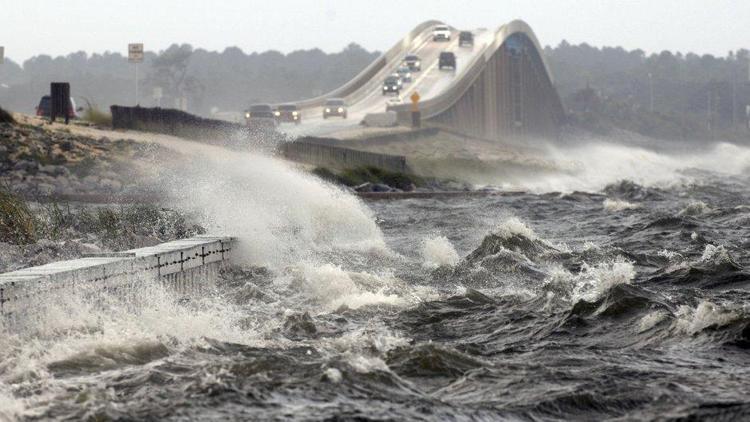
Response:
column 413, row 63
column 334, row 107
column 288, row 113
column 260, row 115
column 391, row 85
column 447, row 59
column 465, row 38
column 45, row 108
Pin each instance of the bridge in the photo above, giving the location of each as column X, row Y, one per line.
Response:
column 501, row 87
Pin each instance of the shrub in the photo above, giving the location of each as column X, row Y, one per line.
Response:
column 97, row 117
column 6, row 117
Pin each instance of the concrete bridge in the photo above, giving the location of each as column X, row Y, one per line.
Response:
column 501, row 87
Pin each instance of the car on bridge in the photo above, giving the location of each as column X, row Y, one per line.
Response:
column 413, row 62
column 405, row 74
column 465, row 39
column 399, row 81
column 334, row 107
column 391, row 85
column 288, row 113
column 447, row 60
column 260, row 115
column 441, row 33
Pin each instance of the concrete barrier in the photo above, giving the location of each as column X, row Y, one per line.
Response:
column 326, row 155
column 185, row 125
column 183, row 264
column 386, row 119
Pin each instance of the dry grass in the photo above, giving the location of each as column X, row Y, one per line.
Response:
column 17, row 223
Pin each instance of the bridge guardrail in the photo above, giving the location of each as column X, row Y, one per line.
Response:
column 371, row 70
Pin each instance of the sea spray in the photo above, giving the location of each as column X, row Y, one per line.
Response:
column 279, row 214
column 438, row 251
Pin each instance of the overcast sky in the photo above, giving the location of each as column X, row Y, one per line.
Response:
column 31, row 27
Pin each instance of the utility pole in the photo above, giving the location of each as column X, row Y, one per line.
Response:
column 651, row 92
column 734, row 99
column 708, row 114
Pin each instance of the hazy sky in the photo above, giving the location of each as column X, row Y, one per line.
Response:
column 31, row 27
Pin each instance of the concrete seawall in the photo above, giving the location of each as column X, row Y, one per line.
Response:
column 183, row 264
column 337, row 157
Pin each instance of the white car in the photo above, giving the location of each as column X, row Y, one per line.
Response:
column 441, row 33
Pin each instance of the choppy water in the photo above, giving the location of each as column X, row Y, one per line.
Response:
column 630, row 301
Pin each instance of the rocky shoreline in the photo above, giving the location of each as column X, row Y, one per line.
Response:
column 38, row 162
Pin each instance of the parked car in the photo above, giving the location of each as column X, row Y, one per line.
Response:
column 334, row 107
column 288, row 113
column 260, row 115
column 441, row 33
column 44, row 109
column 465, row 39
column 405, row 74
column 413, row 62
column 391, row 85
column 447, row 60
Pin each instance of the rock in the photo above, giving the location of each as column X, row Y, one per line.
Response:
column 379, row 187
column 364, row 187
column 111, row 185
column 26, row 166
column 52, row 170
column 45, row 188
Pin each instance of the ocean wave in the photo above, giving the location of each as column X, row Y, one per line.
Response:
column 692, row 320
column 615, row 205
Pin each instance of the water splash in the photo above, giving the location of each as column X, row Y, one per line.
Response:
column 438, row 251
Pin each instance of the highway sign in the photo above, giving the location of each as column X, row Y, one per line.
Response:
column 2, row 54
column 135, row 53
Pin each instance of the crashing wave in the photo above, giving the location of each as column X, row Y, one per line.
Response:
column 706, row 314
column 591, row 282
column 615, row 205
column 695, row 208
column 514, row 236
column 438, row 251
column 629, row 190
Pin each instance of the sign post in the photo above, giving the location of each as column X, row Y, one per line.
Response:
column 415, row 114
column 135, row 55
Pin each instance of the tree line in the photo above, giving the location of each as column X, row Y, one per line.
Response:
column 667, row 95
column 664, row 95
column 205, row 81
